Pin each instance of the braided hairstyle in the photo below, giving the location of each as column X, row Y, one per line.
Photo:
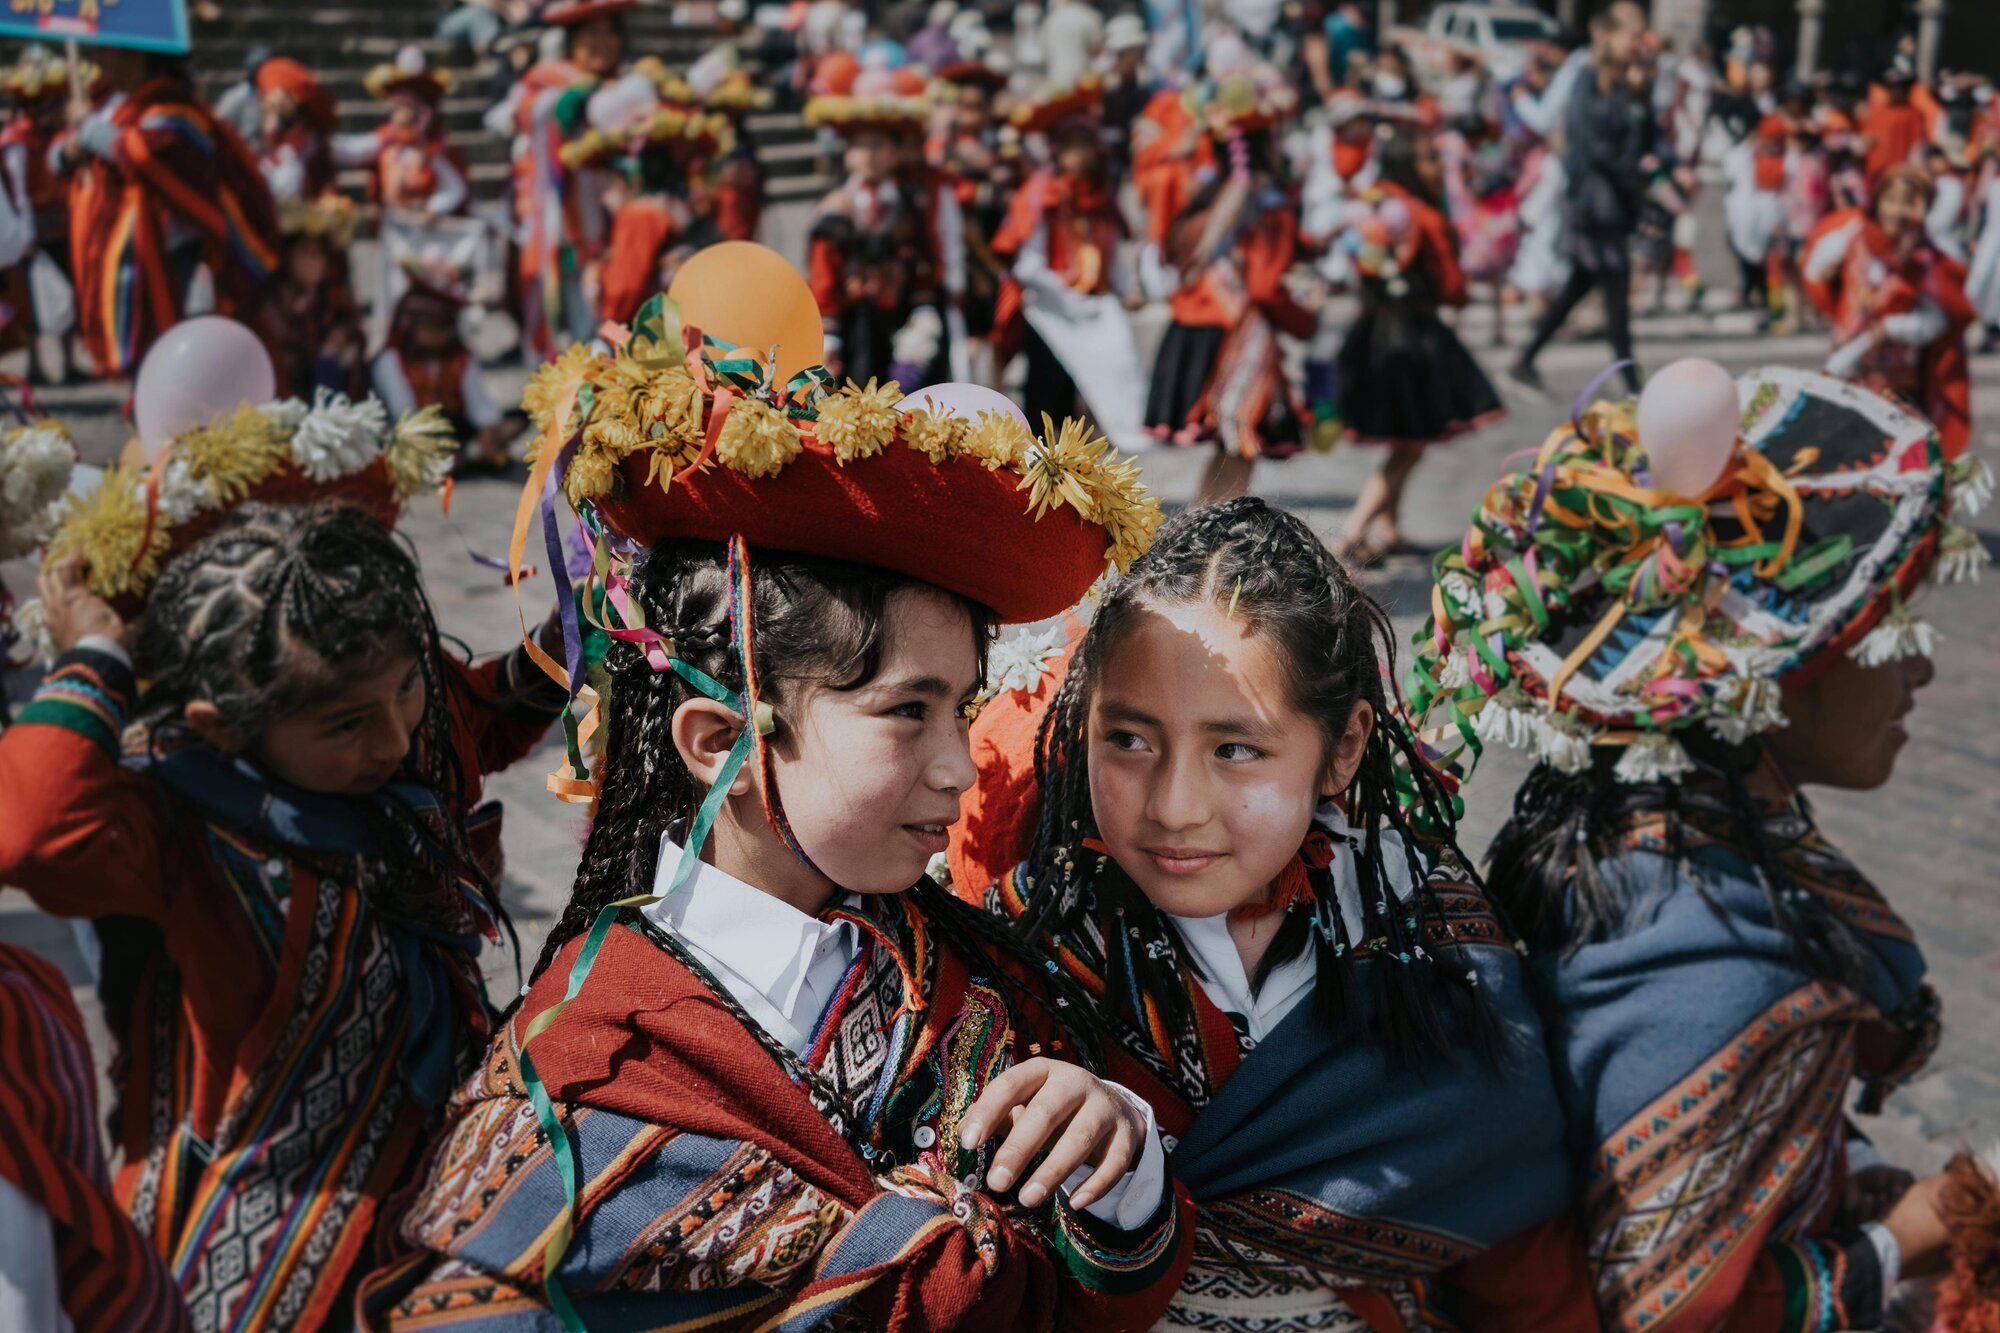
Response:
column 275, row 611
column 818, row 622
column 1337, row 649
column 1547, row 864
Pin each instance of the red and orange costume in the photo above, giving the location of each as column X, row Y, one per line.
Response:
column 298, row 162
column 274, row 1098
column 162, row 186
column 1899, row 318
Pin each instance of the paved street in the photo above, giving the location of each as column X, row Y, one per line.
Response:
column 1931, row 840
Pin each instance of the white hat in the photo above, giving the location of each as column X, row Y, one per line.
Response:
column 1125, row 32
column 733, row 11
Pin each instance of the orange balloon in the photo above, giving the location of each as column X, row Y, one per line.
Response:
column 750, row 295
column 834, row 74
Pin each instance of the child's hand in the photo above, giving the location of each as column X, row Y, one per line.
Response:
column 71, row 611
column 1076, row 1116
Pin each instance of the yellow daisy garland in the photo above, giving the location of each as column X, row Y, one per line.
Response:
column 631, row 403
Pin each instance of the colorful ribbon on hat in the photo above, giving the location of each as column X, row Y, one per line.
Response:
column 1583, row 516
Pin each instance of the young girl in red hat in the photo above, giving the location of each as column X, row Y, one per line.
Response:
column 285, row 855
column 765, row 1073
column 296, row 147
column 1214, row 817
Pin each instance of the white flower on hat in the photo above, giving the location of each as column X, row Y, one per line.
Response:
column 339, row 437
column 1654, row 757
column 1754, row 707
column 1019, row 661
column 1901, row 634
column 1506, row 720
column 1562, row 742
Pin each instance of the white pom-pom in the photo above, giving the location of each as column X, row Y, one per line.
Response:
column 35, row 468
column 1653, row 758
column 1454, row 672
column 286, row 414
column 1901, row 634
column 338, row 437
column 1461, row 593
column 182, row 494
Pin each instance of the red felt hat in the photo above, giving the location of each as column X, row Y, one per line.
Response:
column 566, row 13
column 972, row 73
column 668, row 446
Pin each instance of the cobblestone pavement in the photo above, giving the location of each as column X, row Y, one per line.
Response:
column 1931, row 839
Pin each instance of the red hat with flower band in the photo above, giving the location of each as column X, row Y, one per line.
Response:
column 672, row 434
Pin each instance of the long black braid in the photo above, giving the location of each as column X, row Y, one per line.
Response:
column 1555, row 866
column 275, row 611
column 819, row 622
column 1337, row 649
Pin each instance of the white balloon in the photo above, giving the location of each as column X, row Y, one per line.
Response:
column 1688, row 418
column 198, row 368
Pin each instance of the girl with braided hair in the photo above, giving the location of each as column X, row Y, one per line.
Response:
column 1244, row 858
column 291, row 874
column 1722, row 984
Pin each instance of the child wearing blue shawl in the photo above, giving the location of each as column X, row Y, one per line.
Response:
column 1244, row 858
column 1715, row 976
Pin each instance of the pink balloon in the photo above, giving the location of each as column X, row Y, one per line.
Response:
column 1688, row 418
column 198, row 368
column 961, row 400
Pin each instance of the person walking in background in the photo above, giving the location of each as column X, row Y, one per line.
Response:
column 1612, row 143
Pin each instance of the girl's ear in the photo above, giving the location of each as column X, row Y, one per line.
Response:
column 206, row 719
column 1347, row 755
column 704, row 732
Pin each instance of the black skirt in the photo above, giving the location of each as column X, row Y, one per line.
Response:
column 1405, row 378
column 1180, row 373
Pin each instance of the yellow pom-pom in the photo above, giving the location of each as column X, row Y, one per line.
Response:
column 419, row 451
column 108, row 528
column 234, row 451
column 858, row 422
column 756, row 440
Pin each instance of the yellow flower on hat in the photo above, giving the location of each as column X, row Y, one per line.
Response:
column 996, row 439
column 756, row 440
column 1057, row 469
column 859, row 422
column 553, row 383
column 938, row 436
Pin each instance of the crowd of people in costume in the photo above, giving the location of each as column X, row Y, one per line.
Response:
column 1004, row 904
column 1305, row 201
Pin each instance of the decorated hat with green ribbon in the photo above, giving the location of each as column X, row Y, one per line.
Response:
column 1591, row 605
